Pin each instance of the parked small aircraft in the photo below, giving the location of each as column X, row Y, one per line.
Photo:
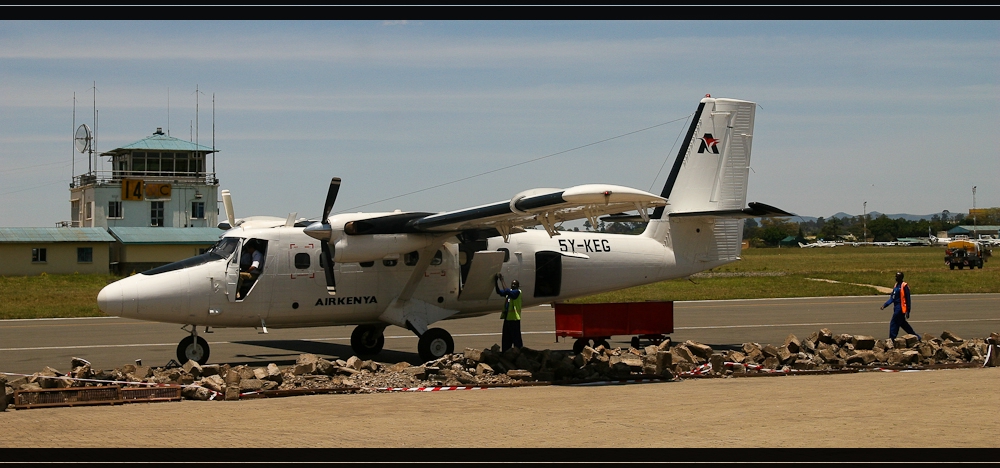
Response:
column 414, row 269
column 819, row 243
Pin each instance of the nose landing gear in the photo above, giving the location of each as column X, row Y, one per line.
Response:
column 192, row 348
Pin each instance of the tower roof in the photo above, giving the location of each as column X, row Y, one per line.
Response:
column 158, row 141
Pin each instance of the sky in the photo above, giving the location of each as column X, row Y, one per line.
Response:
column 886, row 116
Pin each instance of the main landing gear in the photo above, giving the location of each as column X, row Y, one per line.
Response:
column 434, row 343
column 367, row 340
column 192, row 348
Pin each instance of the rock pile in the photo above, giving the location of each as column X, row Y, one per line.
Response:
column 821, row 351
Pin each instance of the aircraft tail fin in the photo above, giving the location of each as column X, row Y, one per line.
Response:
column 707, row 187
column 712, row 167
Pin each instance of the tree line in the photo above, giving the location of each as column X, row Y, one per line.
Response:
column 770, row 231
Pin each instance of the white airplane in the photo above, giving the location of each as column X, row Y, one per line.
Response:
column 819, row 243
column 414, row 269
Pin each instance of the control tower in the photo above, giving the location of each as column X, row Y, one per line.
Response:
column 159, row 181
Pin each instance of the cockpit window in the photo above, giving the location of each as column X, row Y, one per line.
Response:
column 225, row 247
column 220, row 251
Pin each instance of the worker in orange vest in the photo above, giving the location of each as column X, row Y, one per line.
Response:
column 900, row 297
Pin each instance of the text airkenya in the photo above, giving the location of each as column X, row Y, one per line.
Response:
column 325, row 301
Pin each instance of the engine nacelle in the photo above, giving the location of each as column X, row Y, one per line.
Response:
column 377, row 246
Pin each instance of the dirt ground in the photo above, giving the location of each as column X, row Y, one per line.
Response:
column 940, row 408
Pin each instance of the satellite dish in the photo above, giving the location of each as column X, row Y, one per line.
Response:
column 82, row 138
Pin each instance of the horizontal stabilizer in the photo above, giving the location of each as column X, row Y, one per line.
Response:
column 756, row 210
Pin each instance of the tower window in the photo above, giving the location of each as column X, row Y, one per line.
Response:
column 115, row 209
column 156, row 213
column 198, row 210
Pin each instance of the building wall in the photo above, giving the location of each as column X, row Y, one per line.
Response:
column 136, row 213
column 61, row 258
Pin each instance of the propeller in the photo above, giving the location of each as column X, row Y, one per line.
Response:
column 227, row 201
column 324, row 232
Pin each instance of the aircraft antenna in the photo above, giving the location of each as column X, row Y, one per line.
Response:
column 683, row 127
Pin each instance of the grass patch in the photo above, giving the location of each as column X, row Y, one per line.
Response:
column 46, row 296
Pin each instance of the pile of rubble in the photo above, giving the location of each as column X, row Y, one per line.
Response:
column 822, row 351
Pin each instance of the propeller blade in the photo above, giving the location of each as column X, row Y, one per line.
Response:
column 331, row 197
column 227, row 201
column 331, row 283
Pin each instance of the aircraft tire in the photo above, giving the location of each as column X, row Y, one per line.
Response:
column 434, row 343
column 367, row 340
column 191, row 350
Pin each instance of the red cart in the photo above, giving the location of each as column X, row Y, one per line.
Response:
column 594, row 324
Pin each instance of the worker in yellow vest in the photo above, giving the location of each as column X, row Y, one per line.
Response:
column 511, row 314
column 900, row 296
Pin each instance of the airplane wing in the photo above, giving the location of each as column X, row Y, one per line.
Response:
column 545, row 206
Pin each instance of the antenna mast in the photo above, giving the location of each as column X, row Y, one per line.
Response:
column 73, row 166
column 90, row 158
column 168, row 111
column 213, row 136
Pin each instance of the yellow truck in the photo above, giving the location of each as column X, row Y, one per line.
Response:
column 965, row 253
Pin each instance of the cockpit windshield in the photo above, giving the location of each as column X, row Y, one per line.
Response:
column 221, row 250
column 225, row 247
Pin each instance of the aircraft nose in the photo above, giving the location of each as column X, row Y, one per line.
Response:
column 117, row 299
column 109, row 300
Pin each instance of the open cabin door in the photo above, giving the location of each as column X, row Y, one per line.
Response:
column 233, row 273
column 548, row 274
column 479, row 282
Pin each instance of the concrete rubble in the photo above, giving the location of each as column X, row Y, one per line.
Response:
column 822, row 351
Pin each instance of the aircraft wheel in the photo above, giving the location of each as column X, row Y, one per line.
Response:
column 435, row 343
column 579, row 344
column 190, row 349
column 367, row 340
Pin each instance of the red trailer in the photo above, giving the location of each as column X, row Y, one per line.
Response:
column 594, row 324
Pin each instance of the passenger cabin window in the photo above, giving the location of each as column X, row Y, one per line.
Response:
column 367, row 264
column 390, row 262
column 411, row 258
column 437, row 258
column 301, row 261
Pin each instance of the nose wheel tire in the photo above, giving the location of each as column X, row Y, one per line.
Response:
column 367, row 340
column 435, row 343
column 193, row 349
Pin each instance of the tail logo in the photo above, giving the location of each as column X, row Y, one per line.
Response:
column 709, row 144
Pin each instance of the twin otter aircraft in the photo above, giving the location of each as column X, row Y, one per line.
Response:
column 414, row 269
